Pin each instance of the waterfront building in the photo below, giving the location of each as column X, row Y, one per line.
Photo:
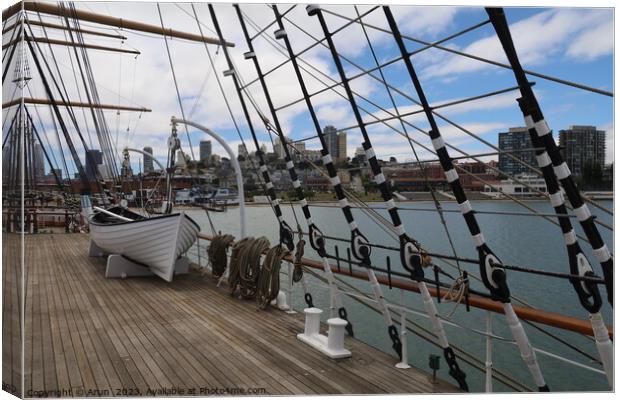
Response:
column 205, row 150
column 148, row 161
column 581, row 145
column 510, row 144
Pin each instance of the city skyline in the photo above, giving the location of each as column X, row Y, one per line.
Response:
column 537, row 32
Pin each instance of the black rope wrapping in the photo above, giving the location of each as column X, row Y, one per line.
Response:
column 298, row 271
column 217, row 254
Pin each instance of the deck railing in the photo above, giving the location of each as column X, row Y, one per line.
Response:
column 396, row 280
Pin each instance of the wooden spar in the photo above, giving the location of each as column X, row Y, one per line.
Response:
column 56, row 26
column 53, row 9
column 74, row 44
column 74, row 104
column 526, row 313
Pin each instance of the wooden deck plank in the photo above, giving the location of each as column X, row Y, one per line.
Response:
column 92, row 333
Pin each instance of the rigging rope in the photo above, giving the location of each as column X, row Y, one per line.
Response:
column 176, row 86
column 493, row 276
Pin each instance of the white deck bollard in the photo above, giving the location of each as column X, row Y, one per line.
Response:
column 313, row 321
column 335, row 336
column 331, row 345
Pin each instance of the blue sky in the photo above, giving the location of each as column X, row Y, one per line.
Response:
column 572, row 44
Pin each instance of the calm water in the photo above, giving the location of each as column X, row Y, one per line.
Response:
column 517, row 240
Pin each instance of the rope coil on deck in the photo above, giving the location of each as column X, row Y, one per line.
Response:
column 217, row 254
column 245, row 265
column 269, row 278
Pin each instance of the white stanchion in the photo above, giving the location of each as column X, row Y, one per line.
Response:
column 404, row 361
column 488, row 365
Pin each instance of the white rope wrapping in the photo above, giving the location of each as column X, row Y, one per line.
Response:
column 303, row 202
column 431, row 310
column 529, row 122
column 289, row 164
column 543, row 159
column 370, row 153
column 561, row 171
column 269, row 185
column 352, row 225
column 438, row 143
column 380, row 178
column 343, row 202
column 327, row 158
column 451, row 175
column 296, row 183
column 478, row 239
column 603, row 345
column 602, row 254
column 542, row 128
column 582, row 212
column 465, row 207
column 335, row 181
column 557, row 198
column 570, row 238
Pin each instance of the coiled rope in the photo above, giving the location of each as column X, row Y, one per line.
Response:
column 245, row 266
column 458, row 290
column 269, row 278
column 217, row 254
column 298, row 271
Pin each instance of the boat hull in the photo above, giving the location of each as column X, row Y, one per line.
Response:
column 155, row 242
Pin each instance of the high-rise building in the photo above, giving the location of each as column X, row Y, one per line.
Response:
column 205, row 150
column 39, row 162
column 336, row 142
column 510, row 144
column 148, row 161
column 242, row 151
column 300, row 147
column 331, row 137
column 93, row 159
column 342, row 146
column 582, row 144
column 278, row 148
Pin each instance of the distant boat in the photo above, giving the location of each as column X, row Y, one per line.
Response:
column 223, row 196
column 156, row 242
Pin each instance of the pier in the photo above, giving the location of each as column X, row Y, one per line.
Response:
column 85, row 334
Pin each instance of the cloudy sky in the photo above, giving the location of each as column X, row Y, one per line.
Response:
column 568, row 43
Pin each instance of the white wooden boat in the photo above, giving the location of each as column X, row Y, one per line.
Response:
column 156, row 244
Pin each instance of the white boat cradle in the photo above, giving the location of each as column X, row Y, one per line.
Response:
column 139, row 246
column 331, row 345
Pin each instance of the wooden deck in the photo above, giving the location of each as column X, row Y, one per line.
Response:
column 89, row 335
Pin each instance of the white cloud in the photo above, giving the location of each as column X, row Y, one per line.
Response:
column 593, row 43
column 538, row 40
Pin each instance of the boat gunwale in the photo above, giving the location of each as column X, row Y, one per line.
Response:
column 92, row 221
